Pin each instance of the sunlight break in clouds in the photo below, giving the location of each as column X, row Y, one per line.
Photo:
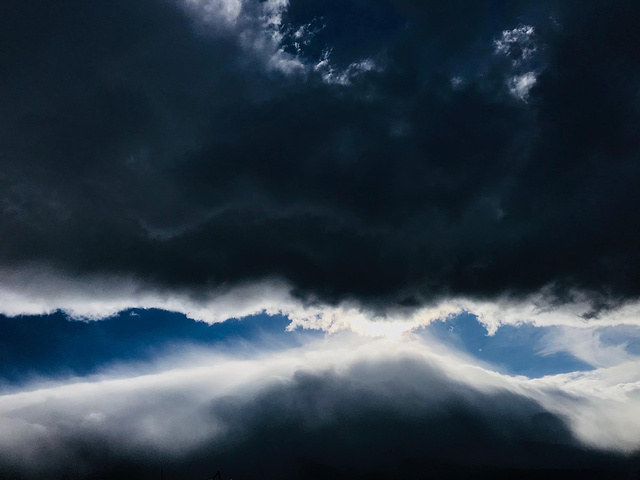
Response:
column 42, row 291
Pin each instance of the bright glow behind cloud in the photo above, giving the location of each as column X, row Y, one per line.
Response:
column 41, row 291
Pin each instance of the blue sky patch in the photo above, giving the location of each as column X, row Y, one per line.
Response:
column 54, row 345
column 513, row 349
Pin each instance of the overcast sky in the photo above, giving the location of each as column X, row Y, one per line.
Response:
column 319, row 238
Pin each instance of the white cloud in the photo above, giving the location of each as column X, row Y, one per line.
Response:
column 603, row 406
column 519, row 85
column 535, row 311
column 169, row 413
column 336, row 76
column 257, row 26
column 585, row 344
column 214, row 12
column 38, row 290
column 261, row 30
column 457, row 82
column 518, row 44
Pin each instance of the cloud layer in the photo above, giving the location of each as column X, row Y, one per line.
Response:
column 343, row 407
column 390, row 155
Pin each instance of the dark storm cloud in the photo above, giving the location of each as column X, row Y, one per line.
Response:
column 398, row 418
column 137, row 140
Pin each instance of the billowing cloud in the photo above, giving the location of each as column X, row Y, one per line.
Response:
column 345, row 406
column 156, row 144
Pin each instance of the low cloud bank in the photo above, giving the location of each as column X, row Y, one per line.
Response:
column 343, row 406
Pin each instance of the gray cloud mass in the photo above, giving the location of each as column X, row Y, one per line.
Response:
column 357, row 410
column 195, row 145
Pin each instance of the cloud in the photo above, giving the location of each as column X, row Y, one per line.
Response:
column 520, row 47
column 592, row 345
column 169, row 161
column 40, row 291
column 518, row 43
column 214, row 12
column 331, row 76
column 342, row 405
column 520, row 85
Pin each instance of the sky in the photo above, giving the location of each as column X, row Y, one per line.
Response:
column 300, row 239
